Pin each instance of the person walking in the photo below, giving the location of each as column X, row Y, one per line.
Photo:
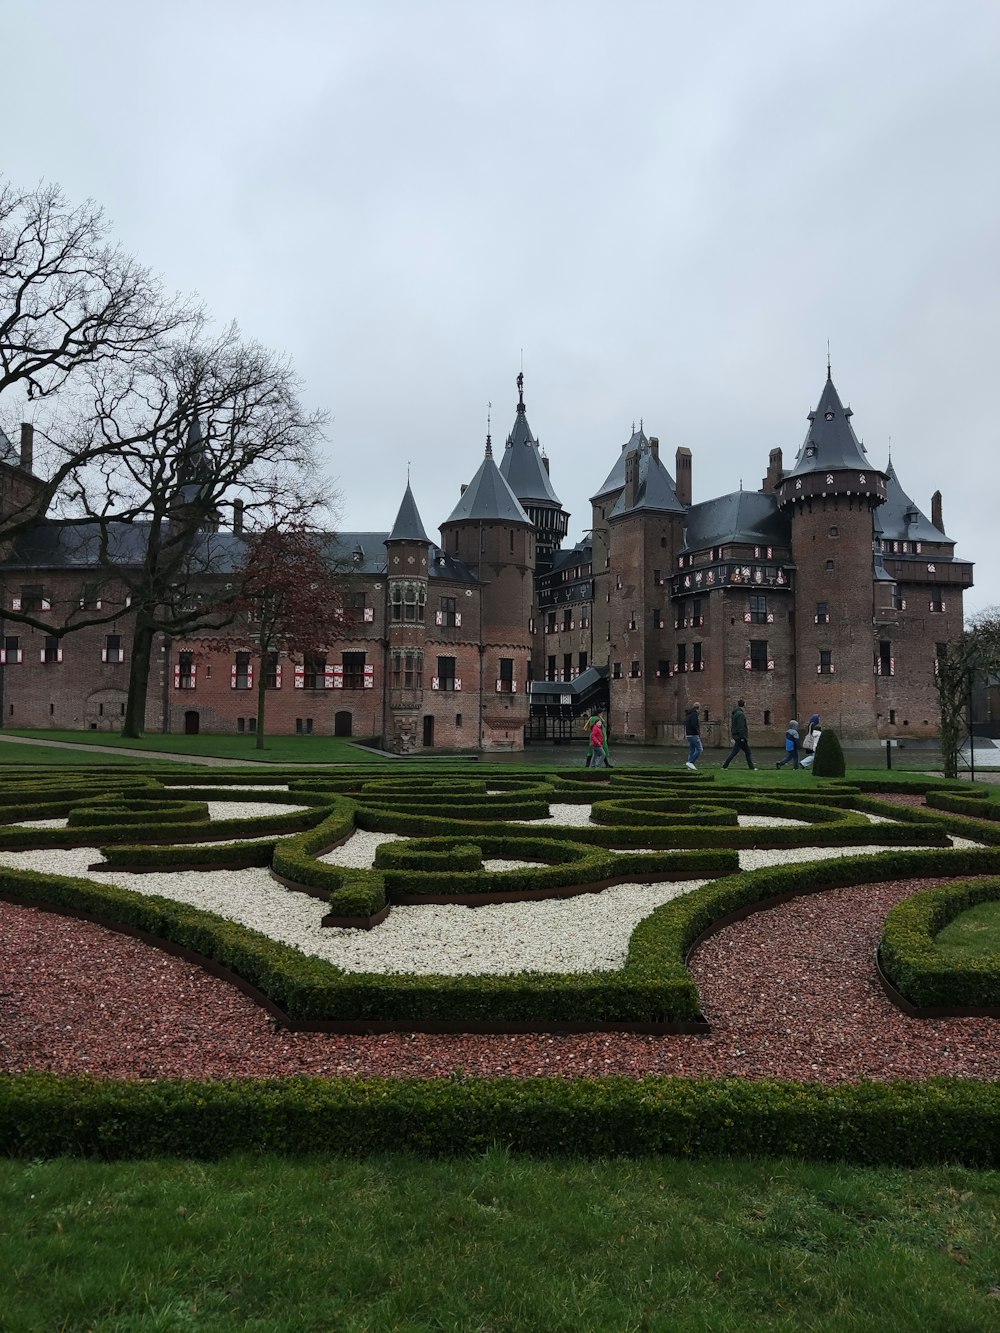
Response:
column 598, row 751
column 740, row 733
column 811, row 740
column 791, row 746
column 692, row 732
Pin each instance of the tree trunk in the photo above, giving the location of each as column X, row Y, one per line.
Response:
column 261, row 699
column 138, row 678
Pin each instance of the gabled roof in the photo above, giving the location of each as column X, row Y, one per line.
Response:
column 615, row 479
column 408, row 527
column 741, row 516
column 899, row 517
column 830, row 443
column 488, row 497
column 53, row 545
column 521, row 466
column 655, row 491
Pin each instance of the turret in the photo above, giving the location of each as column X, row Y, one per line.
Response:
column 526, row 471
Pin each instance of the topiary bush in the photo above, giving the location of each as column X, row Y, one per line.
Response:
column 829, row 761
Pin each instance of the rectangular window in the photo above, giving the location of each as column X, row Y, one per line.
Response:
column 581, row 663
column 885, row 664
column 112, row 648
column 697, row 664
column 682, row 657
column 898, row 600
column 407, row 601
column 758, row 610
column 185, row 670
column 446, row 673
column 663, row 669
column 89, row 599
column 825, row 667
column 550, row 622
column 448, row 615
column 411, row 669
column 697, row 615
column 550, row 668
column 354, row 670
column 758, row 654
column 616, row 671
column 51, row 652
column 567, row 618
column 505, row 684
column 241, row 724
column 11, row 653
column 272, row 672
column 32, row 599
column 657, row 618
column 314, row 672
column 822, row 613
column 359, row 601
column 937, row 598
column 242, row 672
column 634, row 670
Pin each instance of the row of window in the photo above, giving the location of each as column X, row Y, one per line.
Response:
column 52, row 650
column 569, row 670
column 406, row 672
column 568, row 620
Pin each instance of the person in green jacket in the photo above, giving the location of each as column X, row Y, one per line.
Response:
column 740, row 733
column 595, row 721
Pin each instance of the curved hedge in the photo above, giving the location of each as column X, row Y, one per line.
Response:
column 915, row 965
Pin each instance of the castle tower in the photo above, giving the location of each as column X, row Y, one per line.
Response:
column 489, row 531
column 830, row 496
column 407, row 555
column 526, row 472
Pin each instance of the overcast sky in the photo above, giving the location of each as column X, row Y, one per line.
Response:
column 669, row 207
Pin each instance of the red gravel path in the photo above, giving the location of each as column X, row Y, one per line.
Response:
column 791, row 992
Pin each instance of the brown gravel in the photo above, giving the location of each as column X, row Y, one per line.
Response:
column 791, row 992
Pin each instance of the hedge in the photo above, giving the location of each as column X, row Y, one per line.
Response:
column 900, row 1124
column 915, row 965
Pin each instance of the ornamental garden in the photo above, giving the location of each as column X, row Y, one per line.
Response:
column 604, row 962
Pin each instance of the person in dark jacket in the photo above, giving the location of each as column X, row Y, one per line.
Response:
column 692, row 731
column 740, row 733
column 791, row 746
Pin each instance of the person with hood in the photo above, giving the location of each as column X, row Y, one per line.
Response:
column 811, row 740
column 791, row 746
column 598, row 751
column 740, row 733
column 692, row 732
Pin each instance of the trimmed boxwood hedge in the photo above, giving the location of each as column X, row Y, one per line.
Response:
column 915, row 965
column 901, row 1124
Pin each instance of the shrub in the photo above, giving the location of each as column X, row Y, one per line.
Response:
column 829, row 761
column 916, row 966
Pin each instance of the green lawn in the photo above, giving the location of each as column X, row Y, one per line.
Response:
column 975, row 934
column 278, row 749
column 497, row 1243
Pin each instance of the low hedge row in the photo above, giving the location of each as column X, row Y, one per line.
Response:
column 141, row 856
column 900, row 1124
column 13, row 838
column 136, row 814
column 916, row 966
column 967, row 803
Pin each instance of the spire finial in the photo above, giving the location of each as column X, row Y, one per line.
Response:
column 890, row 451
column 520, row 393
column 489, row 441
column 828, row 371
column 640, row 425
column 407, row 472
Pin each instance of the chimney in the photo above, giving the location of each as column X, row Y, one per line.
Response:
column 682, row 462
column 237, row 515
column 27, row 445
column 654, row 446
column 936, row 515
column 774, row 471
column 632, row 478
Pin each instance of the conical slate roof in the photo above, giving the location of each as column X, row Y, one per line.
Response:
column 830, row 442
column 899, row 518
column 615, row 479
column 488, row 497
column 408, row 527
column 655, row 490
column 521, row 466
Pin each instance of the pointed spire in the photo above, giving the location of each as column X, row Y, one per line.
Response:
column 520, row 393
column 489, row 439
column 830, row 441
column 408, row 526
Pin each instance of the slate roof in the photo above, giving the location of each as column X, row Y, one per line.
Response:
column 615, row 479
column 830, row 442
column 522, row 467
column 408, row 527
column 61, row 546
column 900, row 518
column 742, row 516
column 488, row 498
column 656, row 488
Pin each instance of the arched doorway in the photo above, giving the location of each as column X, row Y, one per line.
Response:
column 342, row 723
column 191, row 723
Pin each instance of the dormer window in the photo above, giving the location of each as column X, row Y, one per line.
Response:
column 828, row 416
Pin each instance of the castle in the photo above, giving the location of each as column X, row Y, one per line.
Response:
column 825, row 591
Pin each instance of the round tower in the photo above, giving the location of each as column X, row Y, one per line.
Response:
column 830, row 495
column 407, row 555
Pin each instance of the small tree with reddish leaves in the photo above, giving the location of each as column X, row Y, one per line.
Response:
column 291, row 600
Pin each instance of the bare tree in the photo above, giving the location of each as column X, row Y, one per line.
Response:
column 69, row 301
column 292, row 600
column 976, row 653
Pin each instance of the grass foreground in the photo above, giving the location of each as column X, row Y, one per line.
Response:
column 497, row 1243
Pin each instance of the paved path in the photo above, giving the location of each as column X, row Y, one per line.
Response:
column 119, row 752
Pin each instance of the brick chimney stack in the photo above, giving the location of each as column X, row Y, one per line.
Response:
column 27, row 445
column 937, row 517
column 632, row 478
column 774, row 471
column 237, row 515
column 682, row 462
column 654, row 446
